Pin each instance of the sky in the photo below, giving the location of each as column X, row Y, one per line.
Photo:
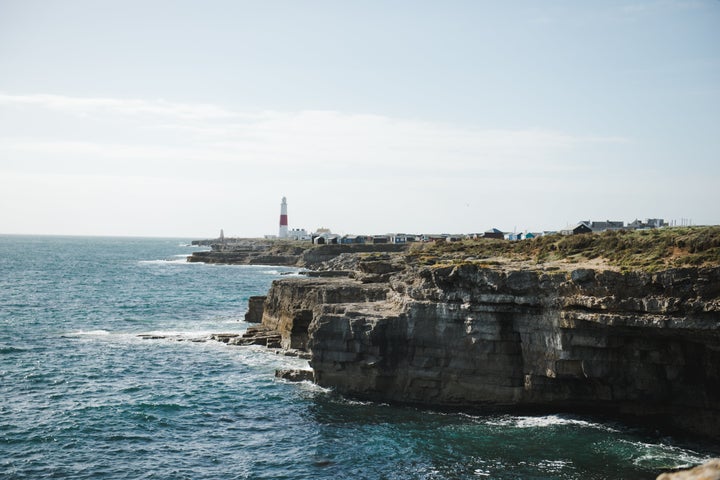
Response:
column 179, row 118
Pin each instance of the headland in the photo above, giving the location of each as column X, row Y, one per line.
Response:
column 618, row 323
column 256, row 251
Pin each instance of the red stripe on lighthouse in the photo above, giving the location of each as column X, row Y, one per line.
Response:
column 283, row 220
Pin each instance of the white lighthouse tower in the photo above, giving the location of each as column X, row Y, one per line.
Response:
column 283, row 219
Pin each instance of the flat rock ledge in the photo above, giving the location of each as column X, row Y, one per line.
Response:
column 709, row 470
column 255, row 335
column 295, row 375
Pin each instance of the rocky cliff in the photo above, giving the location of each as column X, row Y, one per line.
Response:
column 473, row 335
column 281, row 252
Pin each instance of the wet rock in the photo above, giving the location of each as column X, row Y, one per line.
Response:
column 295, row 375
column 152, row 337
column 224, row 337
column 259, row 335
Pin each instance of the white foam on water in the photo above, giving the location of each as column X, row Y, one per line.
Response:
column 89, row 333
column 547, row 421
column 259, row 356
column 660, row 455
column 554, row 466
column 182, row 260
column 308, row 386
column 189, row 334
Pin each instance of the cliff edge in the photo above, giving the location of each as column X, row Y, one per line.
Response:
column 473, row 332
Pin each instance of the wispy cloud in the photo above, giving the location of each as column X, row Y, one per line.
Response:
column 653, row 6
column 119, row 106
column 327, row 141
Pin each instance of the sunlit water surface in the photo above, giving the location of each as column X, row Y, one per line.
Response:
column 82, row 395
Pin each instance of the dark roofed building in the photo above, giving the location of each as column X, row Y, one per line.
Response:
column 494, row 233
column 580, row 228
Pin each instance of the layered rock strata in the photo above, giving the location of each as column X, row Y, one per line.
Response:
column 469, row 336
column 269, row 252
column 254, row 312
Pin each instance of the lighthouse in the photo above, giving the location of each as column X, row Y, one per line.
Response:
column 283, row 219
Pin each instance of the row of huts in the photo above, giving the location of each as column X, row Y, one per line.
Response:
column 404, row 238
column 325, row 236
column 588, row 226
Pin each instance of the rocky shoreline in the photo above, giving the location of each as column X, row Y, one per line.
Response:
column 280, row 253
column 469, row 335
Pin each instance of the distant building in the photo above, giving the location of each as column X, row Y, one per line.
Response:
column 648, row 223
column 596, row 226
column 578, row 229
column 352, row 239
column 433, row 238
column 398, row 238
column 380, row 239
column 326, row 239
column 588, row 226
column 299, row 234
column 494, row 233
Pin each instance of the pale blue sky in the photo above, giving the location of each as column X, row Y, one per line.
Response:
column 181, row 118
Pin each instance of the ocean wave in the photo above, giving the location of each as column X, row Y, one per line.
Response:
column 6, row 350
column 546, row 421
column 180, row 334
column 658, row 455
column 261, row 357
column 308, row 386
column 165, row 261
column 89, row 333
column 283, row 273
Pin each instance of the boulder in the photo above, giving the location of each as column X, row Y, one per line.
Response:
column 295, row 375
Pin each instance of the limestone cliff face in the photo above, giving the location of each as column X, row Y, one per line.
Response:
column 468, row 336
column 291, row 304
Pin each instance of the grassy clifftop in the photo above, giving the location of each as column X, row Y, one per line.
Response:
column 627, row 250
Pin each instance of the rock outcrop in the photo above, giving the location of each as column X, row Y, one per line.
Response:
column 254, row 313
column 282, row 253
column 707, row 471
column 295, row 375
column 467, row 335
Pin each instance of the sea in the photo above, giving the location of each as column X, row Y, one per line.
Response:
column 106, row 373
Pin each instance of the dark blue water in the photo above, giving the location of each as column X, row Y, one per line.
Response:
column 83, row 396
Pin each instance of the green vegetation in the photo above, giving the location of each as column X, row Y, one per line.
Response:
column 629, row 250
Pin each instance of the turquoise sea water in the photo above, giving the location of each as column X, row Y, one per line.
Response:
column 83, row 396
